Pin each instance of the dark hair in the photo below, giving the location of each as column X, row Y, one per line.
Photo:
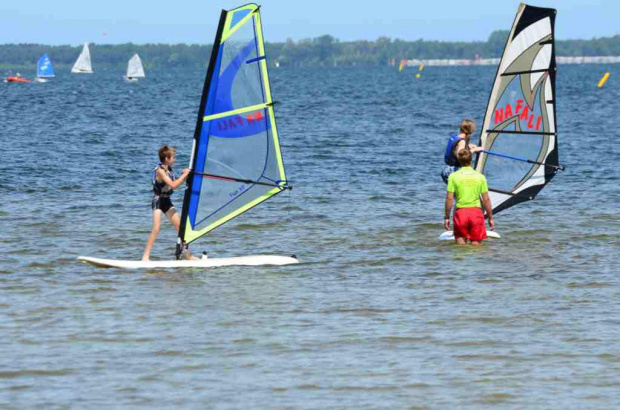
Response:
column 464, row 157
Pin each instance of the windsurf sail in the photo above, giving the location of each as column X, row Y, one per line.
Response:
column 236, row 158
column 44, row 67
column 519, row 131
column 134, row 67
column 83, row 64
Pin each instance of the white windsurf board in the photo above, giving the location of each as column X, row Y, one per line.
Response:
column 252, row 260
column 449, row 235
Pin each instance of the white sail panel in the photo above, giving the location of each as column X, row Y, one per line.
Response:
column 525, row 40
column 83, row 64
column 519, row 131
column 134, row 67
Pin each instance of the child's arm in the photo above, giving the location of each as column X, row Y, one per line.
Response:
column 473, row 148
column 173, row 184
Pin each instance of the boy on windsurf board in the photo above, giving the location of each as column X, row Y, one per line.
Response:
column 164, row 183
column 455, row 144
column 467, row 186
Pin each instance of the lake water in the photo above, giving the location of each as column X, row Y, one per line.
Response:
column 379, row 314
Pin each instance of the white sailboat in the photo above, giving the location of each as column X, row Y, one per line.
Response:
column 82, row 64
column 134, row 69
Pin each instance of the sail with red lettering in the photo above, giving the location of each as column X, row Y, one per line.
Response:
column 519, row 132
column 236, row 159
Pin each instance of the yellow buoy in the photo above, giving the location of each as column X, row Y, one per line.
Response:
column 402, row 65
column 417, row 75
column 603, row 80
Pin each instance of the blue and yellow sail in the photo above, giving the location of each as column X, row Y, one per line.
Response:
column 236, row 158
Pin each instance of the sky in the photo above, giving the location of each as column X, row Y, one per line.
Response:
column 194, row 21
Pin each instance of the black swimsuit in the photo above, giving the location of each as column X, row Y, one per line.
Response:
column 161, row 199
column 161, row 203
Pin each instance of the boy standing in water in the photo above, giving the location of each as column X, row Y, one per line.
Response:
column 455, row 144
column 467, row 185
column 164, row 182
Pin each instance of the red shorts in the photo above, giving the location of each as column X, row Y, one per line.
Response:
column 469, row 224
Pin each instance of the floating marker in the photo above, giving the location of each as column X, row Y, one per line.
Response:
column 603, row 80
column 420, row 68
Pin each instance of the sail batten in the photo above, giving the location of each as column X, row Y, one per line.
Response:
column 544, row 70
column 256, row 60
column 235, row 112
column 520, row 120
column 520, row 132
column 236, row 157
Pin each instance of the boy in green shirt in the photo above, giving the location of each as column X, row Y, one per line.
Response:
column 467, row 185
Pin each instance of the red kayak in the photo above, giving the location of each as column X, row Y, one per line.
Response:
column 17, row 80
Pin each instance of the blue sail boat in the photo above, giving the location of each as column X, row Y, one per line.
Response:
column 44, row 69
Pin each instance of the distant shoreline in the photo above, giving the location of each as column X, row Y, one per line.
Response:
column 323, row 51
column 495, row 61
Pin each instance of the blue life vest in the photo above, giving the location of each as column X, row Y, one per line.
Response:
column 450, row 156
column 160, row 188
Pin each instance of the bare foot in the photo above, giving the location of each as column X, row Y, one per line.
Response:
column 187, row 255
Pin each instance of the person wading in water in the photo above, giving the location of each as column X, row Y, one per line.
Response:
column 455, row 144
column 467, row 186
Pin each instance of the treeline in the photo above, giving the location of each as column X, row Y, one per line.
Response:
column 152, row 55
column 321, row 51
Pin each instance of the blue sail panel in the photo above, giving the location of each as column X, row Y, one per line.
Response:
column 238, row 16
column 44, row 67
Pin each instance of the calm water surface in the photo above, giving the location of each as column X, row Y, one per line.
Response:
column 379, row 314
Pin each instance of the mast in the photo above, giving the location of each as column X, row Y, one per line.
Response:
column 215, row 51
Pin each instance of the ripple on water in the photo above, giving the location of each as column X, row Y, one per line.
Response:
column 379, row 314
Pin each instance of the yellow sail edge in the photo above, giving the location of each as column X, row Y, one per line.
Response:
column 191, row 235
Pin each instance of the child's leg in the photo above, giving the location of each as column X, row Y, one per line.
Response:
column 156, row 225
column 174, row 218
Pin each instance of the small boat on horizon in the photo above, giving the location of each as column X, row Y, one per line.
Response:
column 17, row 78
column 44, row 69
column 135, row 69
column 82, row 64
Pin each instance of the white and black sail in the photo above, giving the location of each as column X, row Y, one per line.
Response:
column 519, row 134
